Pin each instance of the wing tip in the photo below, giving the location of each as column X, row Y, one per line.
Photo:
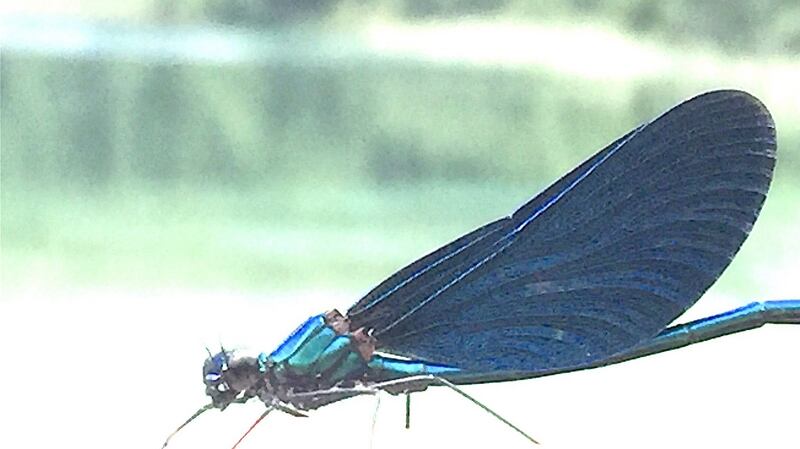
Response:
column 739, row 99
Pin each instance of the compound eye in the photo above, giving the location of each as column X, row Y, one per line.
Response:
column 213, row 377
column 221, row 361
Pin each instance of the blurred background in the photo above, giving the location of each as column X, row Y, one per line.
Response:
column 178, row 174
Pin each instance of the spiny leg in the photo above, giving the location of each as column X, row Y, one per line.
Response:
column 310, row 400
column 374, row 420
column 414, row 383
column 427, row 379
column 199, row 412
column 403, row 385
column 408, row 410
column 463, row 393
column 253, row 426
column 289, row 410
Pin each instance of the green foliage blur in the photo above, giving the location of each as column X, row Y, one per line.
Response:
column 281, row 176
column 741, row 27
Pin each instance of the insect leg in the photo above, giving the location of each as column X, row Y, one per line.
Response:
column 408, row 410
column 253, row 426
column 199, row 412
column 419, row 383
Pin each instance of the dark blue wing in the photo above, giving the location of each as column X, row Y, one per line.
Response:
column 600, row 261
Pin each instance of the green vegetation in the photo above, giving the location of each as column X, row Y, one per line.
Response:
column 288, row 177
column 747, row 27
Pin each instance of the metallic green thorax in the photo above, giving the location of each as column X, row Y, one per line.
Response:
column 323, row 352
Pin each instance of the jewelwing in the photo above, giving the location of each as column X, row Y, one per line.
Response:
column 588, row 273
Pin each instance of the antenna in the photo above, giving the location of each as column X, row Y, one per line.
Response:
column 225, row 359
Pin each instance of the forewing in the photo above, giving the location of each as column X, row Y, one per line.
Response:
column 600, row 261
